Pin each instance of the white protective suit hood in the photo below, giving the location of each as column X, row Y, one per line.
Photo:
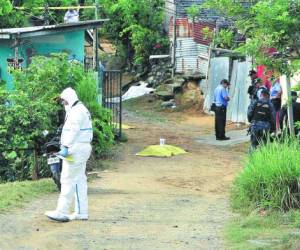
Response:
column 70, row 96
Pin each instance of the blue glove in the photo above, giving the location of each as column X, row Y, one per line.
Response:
column 63, row 151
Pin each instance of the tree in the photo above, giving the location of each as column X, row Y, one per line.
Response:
column 271, row 28
column 193, row 11
column 272, row 31
column 31, row 108
column 5, row 7
column 136, row 27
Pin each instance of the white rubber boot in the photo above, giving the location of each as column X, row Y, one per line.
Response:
column 75, row 216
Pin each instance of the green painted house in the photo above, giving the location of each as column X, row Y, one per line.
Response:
column 18, row 45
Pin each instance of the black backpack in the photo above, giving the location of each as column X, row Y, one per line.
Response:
column 262, row 112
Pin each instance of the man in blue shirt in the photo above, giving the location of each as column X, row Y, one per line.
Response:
column 221, row 99
column 259, row 88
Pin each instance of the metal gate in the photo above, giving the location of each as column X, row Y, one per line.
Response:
column 112, row 98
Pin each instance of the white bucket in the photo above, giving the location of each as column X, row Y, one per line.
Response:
column 162, row 141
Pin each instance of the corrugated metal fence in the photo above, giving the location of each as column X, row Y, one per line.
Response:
column 192, row 46
column 190, row 56
column 220, row 69
column 199, row 36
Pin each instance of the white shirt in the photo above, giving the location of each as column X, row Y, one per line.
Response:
column 71, row 16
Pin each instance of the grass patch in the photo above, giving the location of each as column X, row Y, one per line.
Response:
column 17, row 194
column 267, row 195
column 270, row 179
column 275, row 230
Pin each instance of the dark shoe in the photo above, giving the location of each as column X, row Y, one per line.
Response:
column 225, row 138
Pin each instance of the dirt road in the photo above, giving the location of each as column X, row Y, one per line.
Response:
column 142, row 203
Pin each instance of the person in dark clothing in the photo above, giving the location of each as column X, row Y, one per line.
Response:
column 251, row 88
column 259, row 86
column 296, row 113
column 261, row 115
column 221, row 99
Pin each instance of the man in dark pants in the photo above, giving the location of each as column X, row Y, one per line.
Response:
column 261, row 114
column 251, row 88
column 296, row 113
column 221, row 99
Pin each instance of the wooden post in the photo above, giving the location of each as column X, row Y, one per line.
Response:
column 174, row 40
column 208, row 67
column 211, row 48
column 35, row 169
column 95, row 41
column 290, row 107
column 46, row 14
column 16, row 54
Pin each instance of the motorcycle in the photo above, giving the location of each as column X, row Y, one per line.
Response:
column 55, row 163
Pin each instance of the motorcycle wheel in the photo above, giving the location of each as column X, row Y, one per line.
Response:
column 56, row 179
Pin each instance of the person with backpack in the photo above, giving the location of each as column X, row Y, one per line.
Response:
column 261, row 115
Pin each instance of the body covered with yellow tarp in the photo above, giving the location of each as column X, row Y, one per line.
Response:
column 161, row 151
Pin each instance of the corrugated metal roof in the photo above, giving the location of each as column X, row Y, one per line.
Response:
column 25, row 29
column 185, row 28
column 199, row 37
column 205, row 14
column 182, row 5
column 33, row 31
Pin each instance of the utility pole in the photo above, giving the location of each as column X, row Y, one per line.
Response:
column 290, row 106
column 95, row 57
column 16, row 54
column 95, row 40
column 173, row 56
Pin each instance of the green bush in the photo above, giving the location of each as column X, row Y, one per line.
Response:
column 30, row 109
column 271, row 178
column 135, row 27
column 24, row 117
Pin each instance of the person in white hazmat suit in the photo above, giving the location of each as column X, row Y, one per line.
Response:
column 76, row 140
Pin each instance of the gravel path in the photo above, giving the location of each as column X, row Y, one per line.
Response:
column 141, row 203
